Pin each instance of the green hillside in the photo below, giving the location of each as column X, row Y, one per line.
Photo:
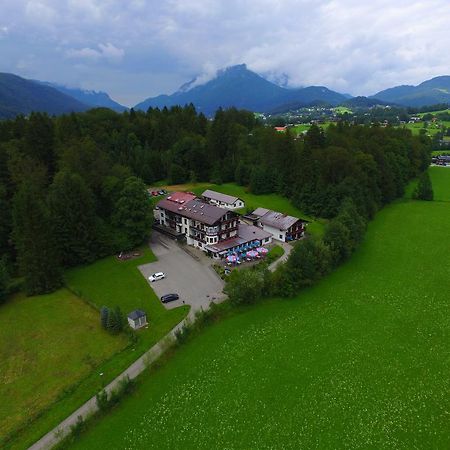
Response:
column 21, row 96
column 358, row 361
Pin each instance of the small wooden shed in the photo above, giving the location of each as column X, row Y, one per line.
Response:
column 137, row 319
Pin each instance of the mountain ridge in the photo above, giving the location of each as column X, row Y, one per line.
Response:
column 433, row 91
column 21, row 96
column 94, row 99
column 242, row 88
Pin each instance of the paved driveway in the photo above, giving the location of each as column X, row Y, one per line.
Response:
column 195, row 282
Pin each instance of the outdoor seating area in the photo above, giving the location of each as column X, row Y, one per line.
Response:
column 246, row 253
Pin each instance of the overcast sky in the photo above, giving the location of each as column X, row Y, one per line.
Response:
column 134, row 49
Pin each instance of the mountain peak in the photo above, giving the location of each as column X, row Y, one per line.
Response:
column 237, row 86
column 238, row 68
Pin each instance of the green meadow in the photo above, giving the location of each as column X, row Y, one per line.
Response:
column 65, row 356
column 360, row 360
column 48, row 343
column 440, row 177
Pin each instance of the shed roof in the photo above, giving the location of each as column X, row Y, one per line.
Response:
column 136, row 314
column 214, row 195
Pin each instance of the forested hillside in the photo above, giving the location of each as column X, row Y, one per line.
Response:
column 21, row 96
column 72, row 188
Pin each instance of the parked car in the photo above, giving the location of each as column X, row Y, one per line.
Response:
column 161, row 192
column 155, row 193
column 169, row 298
column 157, row 276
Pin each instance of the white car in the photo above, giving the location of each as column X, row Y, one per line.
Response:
column 157, row 276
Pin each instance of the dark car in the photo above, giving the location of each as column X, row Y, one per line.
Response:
column 169, row 298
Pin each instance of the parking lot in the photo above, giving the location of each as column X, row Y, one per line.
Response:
column 193, row 280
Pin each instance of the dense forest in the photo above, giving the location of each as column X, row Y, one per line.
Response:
column 72, row 188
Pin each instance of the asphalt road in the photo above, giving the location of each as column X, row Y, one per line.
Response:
column 193, row 280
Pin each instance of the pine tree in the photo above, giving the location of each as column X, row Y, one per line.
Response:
column 111, row 324
column 33, row 240
column 133, row 215
column 119, row 319
column 72, row 211
column 39, row 139
column 104, row 313
column 115, row 321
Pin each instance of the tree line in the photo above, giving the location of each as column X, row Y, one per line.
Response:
column 72, row 188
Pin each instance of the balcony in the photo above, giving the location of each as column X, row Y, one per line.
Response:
column 209, row 231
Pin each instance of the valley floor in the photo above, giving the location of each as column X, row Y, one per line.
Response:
column 359, row 361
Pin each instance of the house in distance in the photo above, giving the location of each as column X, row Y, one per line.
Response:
column 223, row 200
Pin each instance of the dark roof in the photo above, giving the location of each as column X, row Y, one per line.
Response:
column 219, row 196
column 136, row 314
column 275, row 219
column 195, row 209
column 246, row 233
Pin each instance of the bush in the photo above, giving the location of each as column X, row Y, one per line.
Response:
column 309, row 261
column 102, row 400
column 275, row 253
column 337, row 237
column 105, row 401
column 182, row 334
column 78, row 428
column 246, row 286
column 424, row 189
column 124, row 387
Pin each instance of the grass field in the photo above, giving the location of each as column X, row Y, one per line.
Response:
column 342, row 110
column 47, row 344
column 433, row 112
column 111, row 282
column 107, row 282
column 359, row 361
column 416, row 127
column 252, row 201
column 297, row 129
column 440, row 178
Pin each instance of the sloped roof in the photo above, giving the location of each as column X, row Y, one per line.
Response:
column 260, row 211
column 275, row 219
column 214, row 195
column 195, row 209
column 246, row 233
column 136, row 314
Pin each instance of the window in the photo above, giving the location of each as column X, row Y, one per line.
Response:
column 281, row 236
column 185, row 220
